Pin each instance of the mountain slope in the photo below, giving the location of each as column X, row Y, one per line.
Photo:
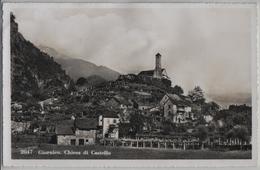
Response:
column 34, row 73
column 236, row 98
column 77, row 68
column 52, row 52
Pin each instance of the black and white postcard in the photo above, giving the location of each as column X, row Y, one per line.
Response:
column 129, row 85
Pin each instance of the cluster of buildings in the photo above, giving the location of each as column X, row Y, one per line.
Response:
column 88, row 130
column 177, row 109
column 85, row 131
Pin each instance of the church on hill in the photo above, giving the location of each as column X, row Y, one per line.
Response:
column 158, row 72
column 156, row 77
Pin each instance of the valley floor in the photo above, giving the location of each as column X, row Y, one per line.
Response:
column 104, row 152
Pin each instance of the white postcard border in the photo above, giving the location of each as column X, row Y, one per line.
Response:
column 119, row 163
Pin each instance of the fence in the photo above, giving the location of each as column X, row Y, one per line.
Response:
column 231, row 144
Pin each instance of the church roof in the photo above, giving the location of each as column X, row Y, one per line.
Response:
column 146, row 73
column 179, row 100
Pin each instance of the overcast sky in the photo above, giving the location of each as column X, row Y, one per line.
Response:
column 205, row 46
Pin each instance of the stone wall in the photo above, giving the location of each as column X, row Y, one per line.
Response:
column 65, row 139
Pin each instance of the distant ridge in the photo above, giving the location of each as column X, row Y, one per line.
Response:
column 77, row 68
column 226, row 100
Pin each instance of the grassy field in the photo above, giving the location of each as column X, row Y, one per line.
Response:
column 93, row 152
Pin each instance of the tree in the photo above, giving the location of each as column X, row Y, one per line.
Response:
column 125, row 130
column 202, row 134
column 212, row 127
column 214, row 106
column 136, row 123
column 240, row 132
column 167, row 127
column 81, row 81
column 12, row 17
column 234, row 116
column 177, row 90
column 85, row 98
column 197, row 95
column 210, row 108
column 238, row 119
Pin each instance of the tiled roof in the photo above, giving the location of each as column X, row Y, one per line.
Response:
column 64, row 130
column 174, row 97
column 178, row 100
column 68, row 122
column 121, row 100
column 86, row 123
column 110, row 114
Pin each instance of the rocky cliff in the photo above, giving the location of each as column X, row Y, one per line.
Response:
column 34, row 74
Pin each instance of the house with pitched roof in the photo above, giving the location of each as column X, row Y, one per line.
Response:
column 120, row 102
column 176, row 108
column 80, row 132
column 109, row 122
column 86, row 130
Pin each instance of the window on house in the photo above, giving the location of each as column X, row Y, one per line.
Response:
column 169, row 106
column 81, row 141
column 73, row 142
column 114, row 121
column 86, row 140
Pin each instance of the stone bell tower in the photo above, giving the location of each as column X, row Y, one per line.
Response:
column 158, row 68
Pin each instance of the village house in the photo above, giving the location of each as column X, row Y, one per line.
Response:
column 143, row 104
column 80, row 132
column 109, row 123
column 176, row 109
column 122, row 105
column 119, row 102
column 86, row 130
column 65, row 133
